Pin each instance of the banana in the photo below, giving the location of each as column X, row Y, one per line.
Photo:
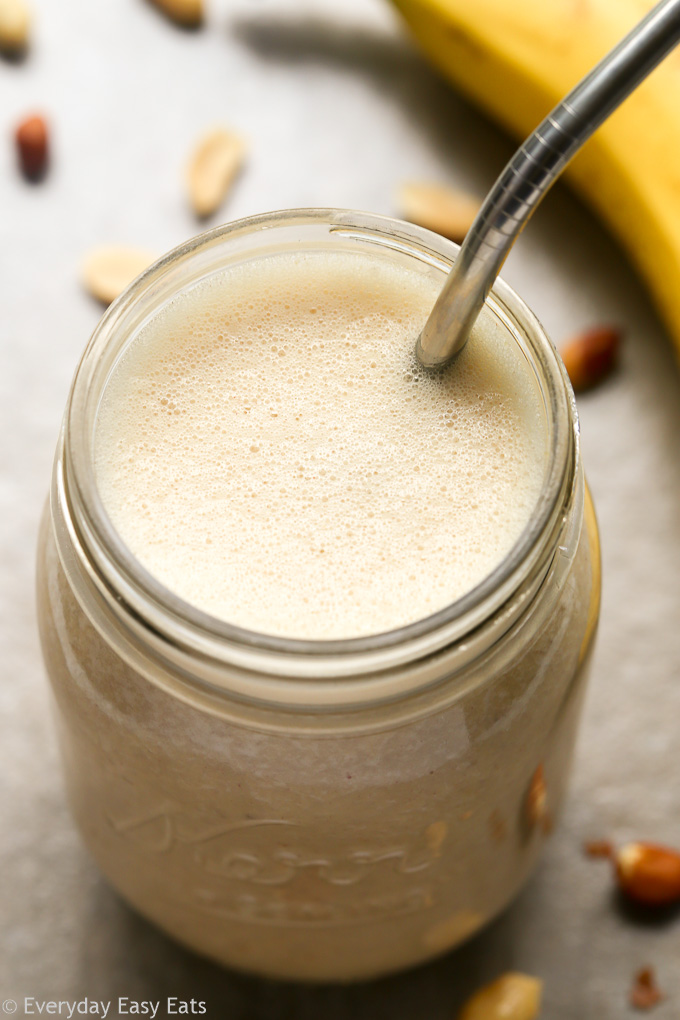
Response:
column 517, row 60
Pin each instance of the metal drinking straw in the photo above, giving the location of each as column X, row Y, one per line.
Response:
column 532, row 171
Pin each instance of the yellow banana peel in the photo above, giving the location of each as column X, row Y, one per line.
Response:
column 518, row 59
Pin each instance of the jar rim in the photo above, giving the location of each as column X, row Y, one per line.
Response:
column 131, row 589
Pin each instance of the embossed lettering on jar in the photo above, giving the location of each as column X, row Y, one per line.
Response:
column 299, row 806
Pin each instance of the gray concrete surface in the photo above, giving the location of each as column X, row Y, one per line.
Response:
column 339, row 109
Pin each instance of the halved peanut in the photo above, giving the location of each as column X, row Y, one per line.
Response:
column 440, row 208
column 15, row 26
column 106, row 271
column 213, row 167
column 513, row 996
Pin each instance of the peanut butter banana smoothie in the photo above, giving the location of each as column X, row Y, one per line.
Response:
column 317, row 621
column 270, row 451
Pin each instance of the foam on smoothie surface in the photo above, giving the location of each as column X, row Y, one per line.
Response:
column 268, row 449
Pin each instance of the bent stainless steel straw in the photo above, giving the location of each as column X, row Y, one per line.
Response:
column 530, row 174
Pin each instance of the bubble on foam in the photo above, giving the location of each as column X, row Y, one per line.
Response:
column 271, row 451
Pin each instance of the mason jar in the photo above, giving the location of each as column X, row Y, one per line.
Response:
column 317, row 810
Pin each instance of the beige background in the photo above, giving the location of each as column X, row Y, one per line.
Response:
column 339, row 109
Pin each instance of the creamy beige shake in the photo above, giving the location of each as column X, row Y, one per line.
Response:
column 267, row 448
column 270, row 450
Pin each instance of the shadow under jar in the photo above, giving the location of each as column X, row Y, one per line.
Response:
column 318, row 810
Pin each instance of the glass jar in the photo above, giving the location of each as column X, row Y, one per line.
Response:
column 321, row 810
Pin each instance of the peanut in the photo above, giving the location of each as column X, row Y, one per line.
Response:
column 590, row 356
column 649, row 874
column 645, row 992
column 512, row 996
column 32, row 141
column 216, row 161
column 445, row 210
column 536, row 802
column 184, row 12
column 601, row 848
column 107, row 271
column 15, row 26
